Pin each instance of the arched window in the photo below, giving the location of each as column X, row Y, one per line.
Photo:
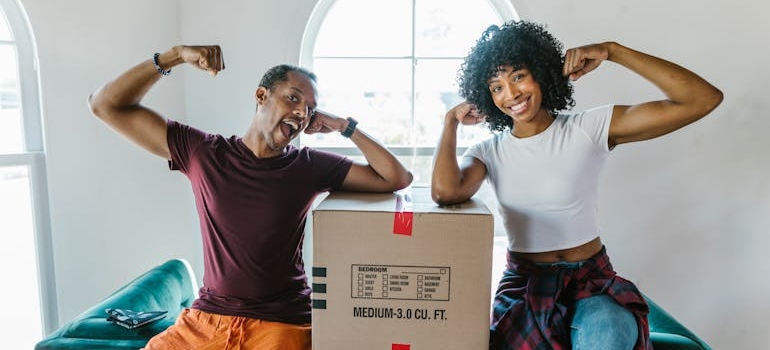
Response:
column 393, row 65
column 25, row 251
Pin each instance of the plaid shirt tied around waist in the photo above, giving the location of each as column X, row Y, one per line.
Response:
column 534, row 305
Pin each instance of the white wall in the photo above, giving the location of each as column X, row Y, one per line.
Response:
column 684, row 216
column 115, row 210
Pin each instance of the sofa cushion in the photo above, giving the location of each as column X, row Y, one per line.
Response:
column 100, row 328
column 668, row 341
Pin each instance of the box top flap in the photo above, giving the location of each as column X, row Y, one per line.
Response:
column 415, row 199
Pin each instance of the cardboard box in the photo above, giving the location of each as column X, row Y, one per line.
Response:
column 398, row 272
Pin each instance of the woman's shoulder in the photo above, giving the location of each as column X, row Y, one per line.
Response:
column 599, row 110
column 492, row 140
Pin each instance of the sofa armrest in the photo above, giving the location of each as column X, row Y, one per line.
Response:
column 667, row 333
column 170, row 286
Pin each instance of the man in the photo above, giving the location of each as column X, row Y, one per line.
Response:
column 252, row 195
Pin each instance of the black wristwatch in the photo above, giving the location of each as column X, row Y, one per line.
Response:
column 351, row 127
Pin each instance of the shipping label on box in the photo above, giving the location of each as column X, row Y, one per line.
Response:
column 396, row 271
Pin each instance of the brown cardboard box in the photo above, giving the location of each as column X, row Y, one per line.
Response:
column 398, row 272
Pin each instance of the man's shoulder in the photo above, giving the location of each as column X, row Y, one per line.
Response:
column 315, row 152
column 323, row 159
column 180, row 127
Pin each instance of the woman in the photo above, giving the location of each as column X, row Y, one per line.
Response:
column 559, row 290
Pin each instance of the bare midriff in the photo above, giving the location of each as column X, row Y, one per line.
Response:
column 579, row 253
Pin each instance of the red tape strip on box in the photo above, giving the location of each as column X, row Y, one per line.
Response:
column 400, row 347
column 403, row 216
column 402, row 223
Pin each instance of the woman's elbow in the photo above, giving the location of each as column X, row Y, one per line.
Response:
column 715, row 99
column 443, row 196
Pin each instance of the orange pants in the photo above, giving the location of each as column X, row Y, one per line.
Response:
column 195, row 329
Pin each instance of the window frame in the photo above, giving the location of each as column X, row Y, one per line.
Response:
column 33, row 157
column 504, row 10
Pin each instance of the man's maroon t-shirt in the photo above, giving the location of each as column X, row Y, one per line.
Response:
column 252, row 215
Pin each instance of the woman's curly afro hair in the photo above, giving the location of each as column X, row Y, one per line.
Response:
column 519, row 44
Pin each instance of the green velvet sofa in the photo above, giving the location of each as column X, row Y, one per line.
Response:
column 172, row 286
column 667, row 333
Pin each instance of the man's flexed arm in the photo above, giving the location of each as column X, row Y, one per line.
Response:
column 118, row 103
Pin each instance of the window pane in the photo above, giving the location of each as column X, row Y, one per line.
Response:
column 11, row 140
column 450, row 28
column 436, row 87
column 366, row 28
column 17, row 258
column 369, row 68
column 420, row 166
column 5, row 30
column 376, row 92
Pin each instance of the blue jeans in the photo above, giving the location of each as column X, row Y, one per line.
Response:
column 600, row 323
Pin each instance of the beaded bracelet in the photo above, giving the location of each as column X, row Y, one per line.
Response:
column 157, row 65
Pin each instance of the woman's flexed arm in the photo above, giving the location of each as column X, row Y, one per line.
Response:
column 688, row 96
column 451, row 182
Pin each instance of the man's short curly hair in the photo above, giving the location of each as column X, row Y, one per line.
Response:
column 280, row 74
column 519, row 44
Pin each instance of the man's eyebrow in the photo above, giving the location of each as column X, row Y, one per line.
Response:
column 297, row 89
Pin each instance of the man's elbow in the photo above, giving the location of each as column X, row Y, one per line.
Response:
column 404, row 180
column 96, row 106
